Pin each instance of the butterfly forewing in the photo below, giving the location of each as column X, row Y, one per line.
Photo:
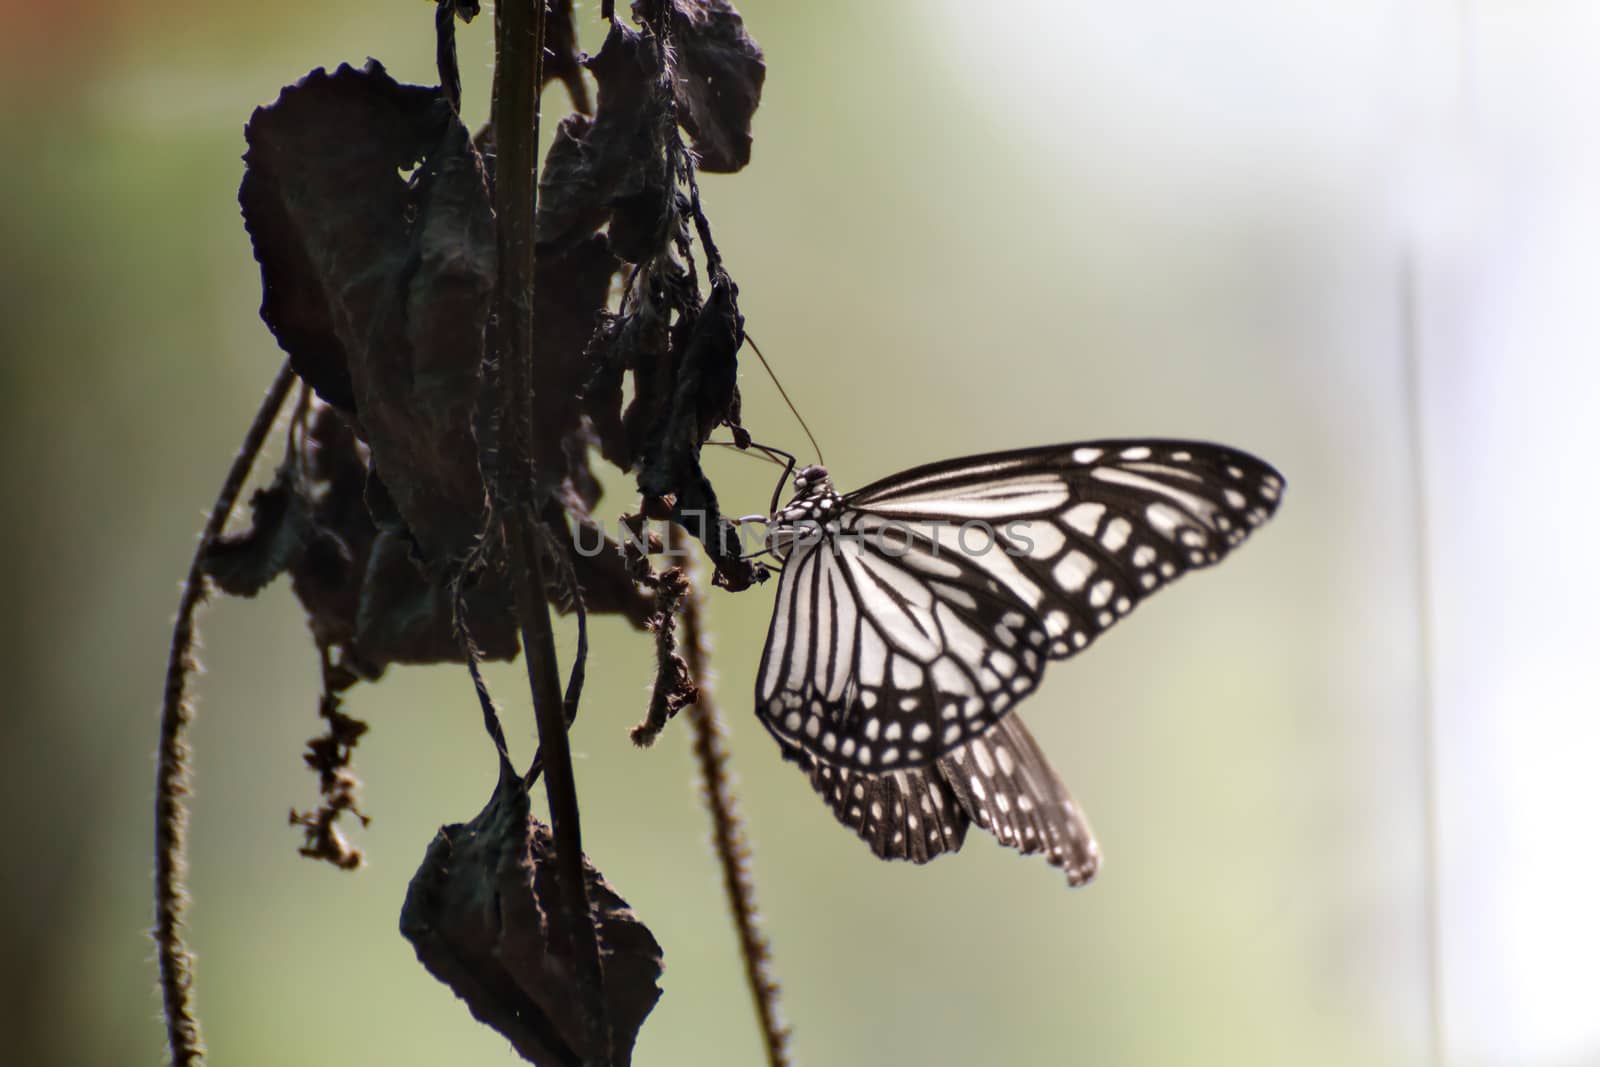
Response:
column 931, row 607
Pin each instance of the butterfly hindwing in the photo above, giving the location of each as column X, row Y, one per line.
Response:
column 1001, row 781
column 1007, row 786
column 930, row 607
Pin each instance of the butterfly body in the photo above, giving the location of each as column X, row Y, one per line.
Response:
column 914, row 613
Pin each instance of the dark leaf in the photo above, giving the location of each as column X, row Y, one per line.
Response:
column 325, row 207
column 244, row 564
column 705, row 392
column 480, row 913
column 720, row 71
column 617, row 157
column 379, row 287
column 570, row 294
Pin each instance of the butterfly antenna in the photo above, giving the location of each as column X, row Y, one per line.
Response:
column 785, row 394
column 771, row 454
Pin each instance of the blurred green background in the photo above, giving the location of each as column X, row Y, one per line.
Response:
column 962, row 230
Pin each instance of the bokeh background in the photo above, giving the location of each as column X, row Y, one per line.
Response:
column 1344, row 784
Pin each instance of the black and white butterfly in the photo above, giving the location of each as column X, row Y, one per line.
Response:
column 913, row 614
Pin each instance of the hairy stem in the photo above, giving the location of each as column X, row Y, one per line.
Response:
column 184, row 1042
column 519, row 63
column 727, row 832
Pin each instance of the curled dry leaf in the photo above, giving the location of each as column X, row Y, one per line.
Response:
column 720, row 71
column 478, row 913
column 379, row 287
column 365, row 598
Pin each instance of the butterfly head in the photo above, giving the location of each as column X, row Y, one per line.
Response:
column 812, row 512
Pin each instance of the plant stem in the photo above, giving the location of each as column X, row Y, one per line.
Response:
column 172, row 767
column 518, row 76
column 727, row 833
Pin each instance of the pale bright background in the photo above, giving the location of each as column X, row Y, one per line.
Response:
column 1361, row 239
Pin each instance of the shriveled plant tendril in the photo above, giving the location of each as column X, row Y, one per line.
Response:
column 184, row 1041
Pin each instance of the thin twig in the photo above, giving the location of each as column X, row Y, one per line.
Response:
column 172, row 769
column 519, row 63
column 733, row 852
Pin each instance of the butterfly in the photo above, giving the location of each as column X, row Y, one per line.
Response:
column 913, row 614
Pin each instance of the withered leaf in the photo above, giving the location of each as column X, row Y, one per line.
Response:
column 324, row 204
column 243, row 564
column 720, row 71
column 570, row 292
column 481, row 913
column 363, row 594
column 594, row 165
column 705, row 394
column 379, row 287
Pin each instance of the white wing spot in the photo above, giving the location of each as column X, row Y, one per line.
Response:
column 1234, row 498
column 1143, row 556
column 1085, row 455
column 952, row 734
column 892, row 733
column 1100, row 595
column 891, row 755
column 791, row 722
column 1046, row 537
column 980, row 754
column 977, row 787
column 872, row 728
column 1003, row 664
column 1002, row 756
column 1073, row 570
column 1085, row 518
column 906, row 673
column 1055, row 623
column 1181, row 457
column 1116, row 535
column 1234, row 472
column 1136, row 452
column 1165, row 518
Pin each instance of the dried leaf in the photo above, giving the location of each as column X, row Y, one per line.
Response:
column 720, row 71
column 480, row 913
column 379, row 287
column 615, row 158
